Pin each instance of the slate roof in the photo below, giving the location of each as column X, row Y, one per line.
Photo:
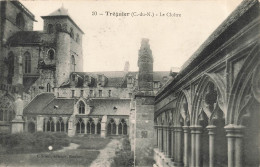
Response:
column 25, row 37
column 106, row 106
column 64, row 106
column 38, row 103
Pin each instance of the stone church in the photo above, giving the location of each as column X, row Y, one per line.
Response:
column 206, row 115
column 43, row 87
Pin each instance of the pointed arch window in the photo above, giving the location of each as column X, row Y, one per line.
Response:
column 51, row 54
column 91, row 126
column 20, row 21
column 122, row 127
column 50, row 125
column 60, row 125
column 111, row 127
column 81, row 108
column 27, row 62
column 99, row 126
column 10, row 64
column 80, row 126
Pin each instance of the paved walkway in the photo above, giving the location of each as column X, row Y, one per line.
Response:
column 105, row 157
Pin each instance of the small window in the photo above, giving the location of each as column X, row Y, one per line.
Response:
column 50, row 28
column 27, row 62
column 129, row 95
column 73, row 77
column 156, row 85
column 51, row 54
column 81, row 93
column 48, row 87
column 100, row 93
column 72, row 33
column 20, row 21
column 77, row 38
column 109, row 93
column 72, row 93
column 58, row 27
column 90, row 93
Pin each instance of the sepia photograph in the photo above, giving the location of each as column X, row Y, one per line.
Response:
column 127, row 83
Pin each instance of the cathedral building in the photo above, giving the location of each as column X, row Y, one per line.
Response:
column 42, row 75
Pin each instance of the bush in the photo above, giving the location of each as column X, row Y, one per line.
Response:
column 36, row 142
column 124, row 157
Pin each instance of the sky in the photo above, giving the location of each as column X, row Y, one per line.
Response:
column 110, row 41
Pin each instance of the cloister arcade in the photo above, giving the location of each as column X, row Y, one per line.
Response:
column 83, row 125
column 212, row 125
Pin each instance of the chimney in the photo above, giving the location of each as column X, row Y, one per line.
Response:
column 126, row 68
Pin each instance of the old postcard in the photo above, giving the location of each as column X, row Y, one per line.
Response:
column 130, row 83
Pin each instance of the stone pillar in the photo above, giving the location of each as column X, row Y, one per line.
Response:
column 196, row 132
column 155, row 136
column 168, row 141
column 164, row 140
column 144, row 127
column 186, row 146
column 159, row 138
column 103, row 126
column 46, row 121
column 65, row 120
column 178, row 147
column 55, row 123
column 85, row 127
column 173, row 144
column 17, row 122
column 72, row 126
column 39, row 123
column 211, row 129
column 96, row 122
column 234, row 137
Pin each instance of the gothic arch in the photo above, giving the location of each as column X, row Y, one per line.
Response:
column 209, row 100
column 27, row 62
column 183, row 116
column 245, row 87
column 7, row 112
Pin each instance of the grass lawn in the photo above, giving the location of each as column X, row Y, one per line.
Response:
column 82, row 156
column 90, row 143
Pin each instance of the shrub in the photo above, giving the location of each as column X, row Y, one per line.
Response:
column 36, row 142
column 124, row 157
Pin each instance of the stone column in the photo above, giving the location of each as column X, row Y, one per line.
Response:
column 173, row 144
column 168, row 139
column 103, row 126
column 45, row 121
column 95, row 122
column 86, row 123
column 211, row 129
column 55, row 123
column 186, row 146
column 196, row 132
column 165, row 140
column 155, row 136
column 178, row 146
column 65, row 120
column 234, row 137
column 159, row 138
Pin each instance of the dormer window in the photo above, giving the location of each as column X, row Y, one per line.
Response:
column 156, row 85
column 81, row 108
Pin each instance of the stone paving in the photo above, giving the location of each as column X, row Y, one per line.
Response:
column 105, row 157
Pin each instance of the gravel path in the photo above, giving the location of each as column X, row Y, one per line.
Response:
column 70, row 147
column 105, row 157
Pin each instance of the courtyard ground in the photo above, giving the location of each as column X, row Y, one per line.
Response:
column 82, row 151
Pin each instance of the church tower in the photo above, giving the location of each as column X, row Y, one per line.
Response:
column 145, row 64
column 67, row 43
